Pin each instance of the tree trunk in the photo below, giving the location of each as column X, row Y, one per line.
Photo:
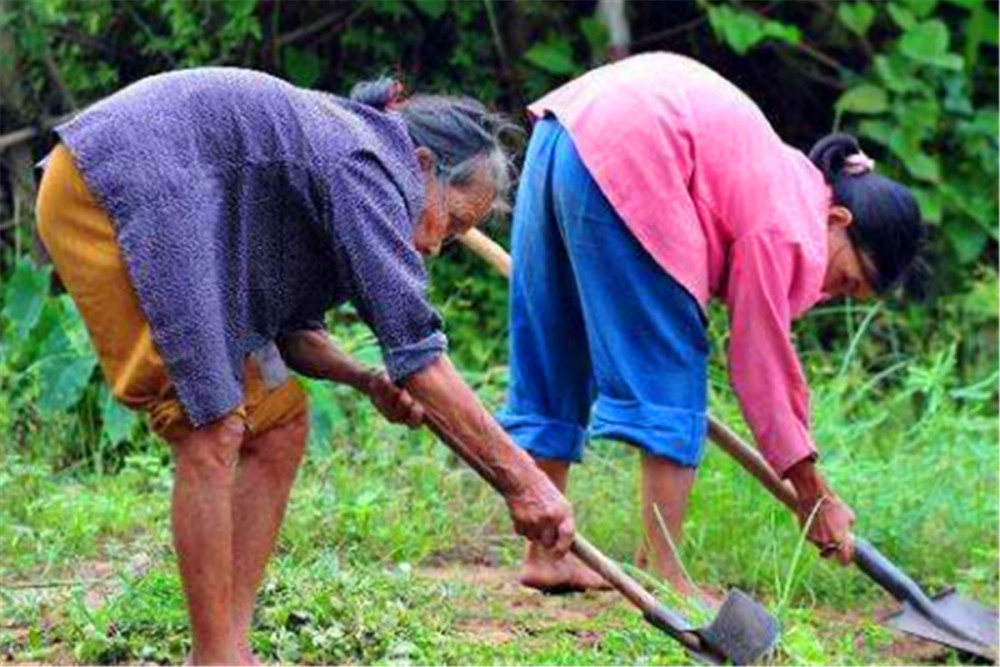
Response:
column 612, row 13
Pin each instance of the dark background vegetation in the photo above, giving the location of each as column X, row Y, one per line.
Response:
column 916, row 80
column 904, row 395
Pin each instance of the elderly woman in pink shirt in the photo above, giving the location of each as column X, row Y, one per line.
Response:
column 651, row 186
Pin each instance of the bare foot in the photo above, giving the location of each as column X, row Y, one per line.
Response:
column 191, row 660
column 247, row 656
column 709, row 600
column 558, row 576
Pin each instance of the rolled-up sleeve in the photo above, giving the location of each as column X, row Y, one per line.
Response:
column 764, row 369
column 311, row 322
column 373, row 233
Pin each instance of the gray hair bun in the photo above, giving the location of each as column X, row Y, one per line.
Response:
column 381, row 93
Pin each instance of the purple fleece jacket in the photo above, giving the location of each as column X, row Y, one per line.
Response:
column 245, row 207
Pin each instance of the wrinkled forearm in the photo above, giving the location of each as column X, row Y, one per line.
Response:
column 455, row 409
column 313, row 354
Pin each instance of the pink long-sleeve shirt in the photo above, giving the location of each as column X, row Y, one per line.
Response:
column 723, row 205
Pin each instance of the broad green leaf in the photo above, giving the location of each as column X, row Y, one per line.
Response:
column 596, row 34
column 24, row 296
column 866, row 98
column 967, row 239
column 965, row 4
column 394, row 9
column 117, row 421
column 990, row 27
column 921, row 8
column 929, row 201
column 553, row 55
column 949, row 61
column 737, row 29
column 925, row 40
column 56, row 343
column 48, row 337
column 876, row 130
column 901, row 16
column 896, row 73
column 304, row 68
column 63, row 379
column 923, row 166
column 741, row 31
column 903, row 142
column 856, row 16
column 783, row 32
column 956, row 99
column 987, row 120
column 92, row 23
column 973, row 35
column 977, row 206
column 73, row 326
column 920, row 115
column 434, row 9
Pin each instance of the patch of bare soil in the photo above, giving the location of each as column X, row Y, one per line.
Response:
column 903, row 649
column 510, row 611
column 98, row 580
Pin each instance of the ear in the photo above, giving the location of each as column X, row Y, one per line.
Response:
column 840, row 217
column 426, row 158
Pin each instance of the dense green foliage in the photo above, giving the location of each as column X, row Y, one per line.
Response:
column 916, row 79
column 904, row 399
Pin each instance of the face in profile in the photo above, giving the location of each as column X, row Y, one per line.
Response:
column 451, row 209
column 849, row 271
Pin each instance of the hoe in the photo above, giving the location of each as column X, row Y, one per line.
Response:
column 741, row 633
column 946, row 618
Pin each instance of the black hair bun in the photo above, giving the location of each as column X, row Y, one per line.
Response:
column 830, row 152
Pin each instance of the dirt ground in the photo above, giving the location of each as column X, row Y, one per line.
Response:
column 495, row 610
column 500, row 585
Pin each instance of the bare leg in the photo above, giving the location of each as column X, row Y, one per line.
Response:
column 557, row 575
column 201, row 518
column 267, row 467
column 666, row 486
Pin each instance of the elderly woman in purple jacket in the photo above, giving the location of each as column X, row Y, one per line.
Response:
column 204, row 221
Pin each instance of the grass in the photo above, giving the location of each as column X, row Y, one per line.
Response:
column 393, row 553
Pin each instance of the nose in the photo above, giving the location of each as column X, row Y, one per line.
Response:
column 429, row 250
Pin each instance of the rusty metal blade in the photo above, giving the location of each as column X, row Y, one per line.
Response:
column 975, row 620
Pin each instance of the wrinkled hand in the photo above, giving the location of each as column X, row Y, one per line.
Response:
column 394, row 402
column 543, row 515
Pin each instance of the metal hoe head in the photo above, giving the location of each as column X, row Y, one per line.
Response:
column 742, row 632
column 978, row 624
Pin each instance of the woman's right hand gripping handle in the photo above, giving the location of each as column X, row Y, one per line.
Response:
column 542, row 514
column 539, row 511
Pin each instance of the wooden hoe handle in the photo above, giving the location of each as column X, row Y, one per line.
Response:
column 589, row 554
column 752, row 462
column 488, row 249
column 719, row 433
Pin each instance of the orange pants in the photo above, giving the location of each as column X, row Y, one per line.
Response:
column 81, row 241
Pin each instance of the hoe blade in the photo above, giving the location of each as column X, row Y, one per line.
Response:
column 976, row 621
column 742, row 631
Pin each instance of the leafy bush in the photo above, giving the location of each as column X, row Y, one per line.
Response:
column 47, row 372
column 937, row 125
